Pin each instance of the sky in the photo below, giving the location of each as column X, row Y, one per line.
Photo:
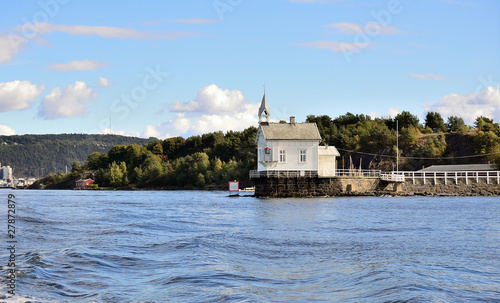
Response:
column 181, row 68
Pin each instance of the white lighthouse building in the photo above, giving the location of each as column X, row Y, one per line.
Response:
column 291, row 148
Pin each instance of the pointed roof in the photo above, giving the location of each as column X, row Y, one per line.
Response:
column 264, row 106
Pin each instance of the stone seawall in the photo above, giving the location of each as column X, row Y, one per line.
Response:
column 313, row 187
column 452, row 187
column 342, row 186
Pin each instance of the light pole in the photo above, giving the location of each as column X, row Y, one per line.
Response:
column 397, row 145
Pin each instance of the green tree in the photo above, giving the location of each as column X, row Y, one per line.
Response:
column 103, row 177
column 96, row 161
column 134, row 155
column 434, row 121
column 157, row 149
column 486, row 124
column 485, row 142
column 117, row 153
column 76, row 167
column 118, row 174
column 455, row 123
column 434, row 147
column 151, row 171
column 408, row 137
column 200, row 180
column 405, row 119
column 372, row 135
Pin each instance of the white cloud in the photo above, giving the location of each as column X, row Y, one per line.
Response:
column 195, row 21
column 186, row 20
column 316, row 1
column 226, row 122
column 105, row 82
column 392, row 112
column 212, row 99
column 372, row 28
column 428, row 76
column 108, row 131
column 16, row 94
column 105, row 31
column 78, row 65
column 6, row 131
column 469, row 107
column 339, row 47
column 190, row 106
column 214, row 109
column 151, row 131
column 10, row 46
column 173, row 128
column 70, row 102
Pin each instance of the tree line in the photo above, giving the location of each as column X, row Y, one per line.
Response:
column 39, row 155
column 420, row 143
column 215, row 158
column 198, row 161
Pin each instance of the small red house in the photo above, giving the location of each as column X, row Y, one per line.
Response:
column 84, row 183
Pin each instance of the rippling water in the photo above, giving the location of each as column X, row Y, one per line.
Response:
column 190, row 246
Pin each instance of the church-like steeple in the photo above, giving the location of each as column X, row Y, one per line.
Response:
column 264, row 111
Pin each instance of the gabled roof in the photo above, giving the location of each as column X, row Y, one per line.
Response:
column 286, row 131
column 328, row 151
column 264, row 106
column 462, row 167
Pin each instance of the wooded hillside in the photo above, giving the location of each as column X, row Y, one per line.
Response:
column 372, row 142
column 28, row 154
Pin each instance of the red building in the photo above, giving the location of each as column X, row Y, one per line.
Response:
column 84, row 183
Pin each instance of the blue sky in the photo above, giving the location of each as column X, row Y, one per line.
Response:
column 170, row 68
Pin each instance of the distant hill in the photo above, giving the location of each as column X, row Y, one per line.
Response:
column 32, row 155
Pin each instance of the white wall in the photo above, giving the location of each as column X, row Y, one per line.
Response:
column 6, row 172
column 292, row 149
column 327, row 166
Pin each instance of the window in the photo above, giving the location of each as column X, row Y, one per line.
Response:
column 282, row 156
column 302, row 156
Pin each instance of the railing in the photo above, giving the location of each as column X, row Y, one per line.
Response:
column 400, row 176
column 454, row 175
column 254, row 174
column 365, row 173
column 393, row 177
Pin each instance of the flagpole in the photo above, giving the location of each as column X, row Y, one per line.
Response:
column 397, row 145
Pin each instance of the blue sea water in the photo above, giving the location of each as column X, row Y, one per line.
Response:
column 198, row 246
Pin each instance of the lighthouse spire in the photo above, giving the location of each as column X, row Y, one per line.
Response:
column 264, row 111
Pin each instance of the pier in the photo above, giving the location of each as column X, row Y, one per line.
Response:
column 296, row 183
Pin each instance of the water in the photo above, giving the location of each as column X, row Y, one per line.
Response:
column 191, row 246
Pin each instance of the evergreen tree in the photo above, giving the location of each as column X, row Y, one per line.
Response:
column 434, row 121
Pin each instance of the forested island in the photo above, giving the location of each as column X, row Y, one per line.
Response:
column 213, row 159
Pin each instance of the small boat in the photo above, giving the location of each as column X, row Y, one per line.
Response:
column 248, row 189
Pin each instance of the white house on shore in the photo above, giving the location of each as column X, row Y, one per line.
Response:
column 292, row 147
